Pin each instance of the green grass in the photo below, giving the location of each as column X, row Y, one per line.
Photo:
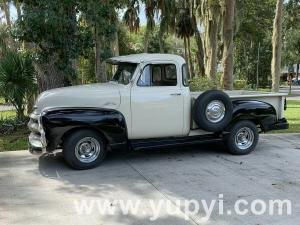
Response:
column 14, row 142
column 292, row 114
column 18, row 140
column 7, row 114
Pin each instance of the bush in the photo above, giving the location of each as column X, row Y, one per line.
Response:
column 9, row 125
column 240, row 84
column 17, row 79
column 203, row 83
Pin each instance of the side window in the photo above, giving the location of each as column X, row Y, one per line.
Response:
column 145, row 78
column 171, row 73
column 184, row 75
column 158, row 75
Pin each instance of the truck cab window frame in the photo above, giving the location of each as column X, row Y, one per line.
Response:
column 158, row 76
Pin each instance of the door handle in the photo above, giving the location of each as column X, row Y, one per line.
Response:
column 175, row 94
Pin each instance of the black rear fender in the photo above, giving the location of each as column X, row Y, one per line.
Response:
column 260, row 113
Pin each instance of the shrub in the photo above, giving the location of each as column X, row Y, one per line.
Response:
column 240, row 84
column 17, row 79
column 11, row 124
column 203, row 83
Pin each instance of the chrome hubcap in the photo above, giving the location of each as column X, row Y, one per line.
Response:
column 87, row 150
column 244, row 138
column 215, row 111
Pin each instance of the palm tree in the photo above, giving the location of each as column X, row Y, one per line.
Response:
column 17, row 79
column 150, row 10
column 167, row 9
column 131, row 16
column 277, row 46
column 185, row 28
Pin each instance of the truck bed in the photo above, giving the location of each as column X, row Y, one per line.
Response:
column 275, row 99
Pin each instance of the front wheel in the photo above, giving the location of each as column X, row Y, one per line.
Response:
column 84, row 149
column 243, row 138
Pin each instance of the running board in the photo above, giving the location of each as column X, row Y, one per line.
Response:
column 139, row 144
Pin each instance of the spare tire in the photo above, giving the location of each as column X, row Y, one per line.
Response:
column 212, row 111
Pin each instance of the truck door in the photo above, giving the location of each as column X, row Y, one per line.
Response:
column 157, row 102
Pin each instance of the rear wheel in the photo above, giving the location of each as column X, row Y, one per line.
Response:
column 84, row 149
column 243, row 138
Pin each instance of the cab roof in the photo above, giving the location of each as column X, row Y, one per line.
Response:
column 145, row 57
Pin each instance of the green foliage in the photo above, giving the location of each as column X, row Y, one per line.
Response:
column 254, row 27
column 17, row 79
column 132, row 43
column 291, row 54
column 240, row 85
column 13, row 135
column 9, row 123
column 52, row 26
column 292, row 47
column 203, row 83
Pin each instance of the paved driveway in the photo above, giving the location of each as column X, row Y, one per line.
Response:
column 6, row 107
column 45, row 191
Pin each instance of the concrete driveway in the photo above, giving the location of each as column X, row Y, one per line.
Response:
column 45, row 191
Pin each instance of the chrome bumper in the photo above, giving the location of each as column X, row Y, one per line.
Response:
column 37, row 140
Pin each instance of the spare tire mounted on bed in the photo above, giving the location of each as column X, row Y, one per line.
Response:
column 212, row 111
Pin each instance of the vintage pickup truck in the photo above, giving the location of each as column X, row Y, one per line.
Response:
column 148, row 104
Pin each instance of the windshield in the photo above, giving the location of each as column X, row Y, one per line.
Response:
column 123, row 72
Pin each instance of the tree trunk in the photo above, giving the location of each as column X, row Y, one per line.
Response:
column 115, row 45
column 18, row 7
column 277, row 46
column 186, row 56
column 5, row 7
column 161, row 41
column 228, row 31
column 99, row 63
column 200, row 52
column 212, row 50
column 297, row 72
column 49, row 76
column 146, row 40
column 192, row 72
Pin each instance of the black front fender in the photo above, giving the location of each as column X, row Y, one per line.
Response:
column 259, row 112
column 59, row 122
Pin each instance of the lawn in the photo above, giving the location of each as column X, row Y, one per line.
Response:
column 293, row 116
column 7, row 114
column 15, row 141
column 18, row 140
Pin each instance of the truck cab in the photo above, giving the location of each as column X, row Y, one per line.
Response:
column 147, row 103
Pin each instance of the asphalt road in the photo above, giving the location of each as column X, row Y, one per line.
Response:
column 44, row 190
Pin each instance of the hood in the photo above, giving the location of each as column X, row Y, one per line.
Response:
column 105, row 95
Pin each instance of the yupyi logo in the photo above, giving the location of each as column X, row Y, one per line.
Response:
column 189, row 208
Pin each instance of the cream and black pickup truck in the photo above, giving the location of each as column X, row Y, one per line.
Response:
column 148, row 104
